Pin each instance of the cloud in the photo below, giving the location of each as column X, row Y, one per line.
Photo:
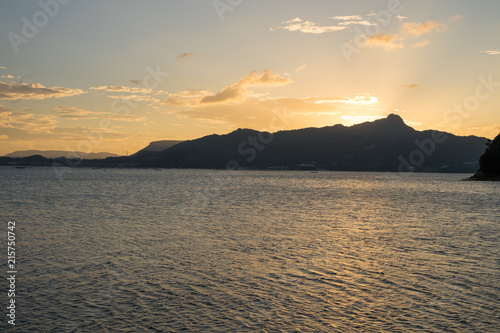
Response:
column 364, row 22
column 7, row 77
column 3, row 67
column 122, row 89
column 308, row 27
column 70, row 112
column 353, row 20
column 31, row 122
column 185, row 55
column 269, row 114
column 239, row 91
column 186, row 98
column 401, row 18
column 411, row 85
column 457, row 17
column 298, row 69
column 236, row 92
column 417, row 28
column 73, row 113
column 136, row 82
column 34, row 91
column 492, row 52
column 3, row 108
column 389, row 41
column 137, row 98
column 422, row 43
column 347, row 18
column 3, row 137
column 362, row 99
column 131, row 93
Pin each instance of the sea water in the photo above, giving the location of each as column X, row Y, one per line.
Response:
column 134, row 250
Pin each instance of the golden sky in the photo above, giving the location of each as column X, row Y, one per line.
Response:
column 115, row 75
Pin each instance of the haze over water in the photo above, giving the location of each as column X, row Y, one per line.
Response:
column 210, row 251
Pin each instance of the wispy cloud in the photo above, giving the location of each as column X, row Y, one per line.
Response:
column 136, row 82
column 408, row 32
column 259, row 113
column 185, row 55
column 492, row 52
column 364, row 22
column 298, row 69
column 130, row 93
column 417, row 28
column 410, row 85
column 308, row 27
column 388, row 41
column 239, row 91
column 3, row 67
column 347, row 18
column 362, row 99
column 136, row 98
column 122, row 89
column 31, row 122
column 422, row 43
column 70, row 112
column 353, row 20
column 186, row 98
column 234, row 93
column 34, row 91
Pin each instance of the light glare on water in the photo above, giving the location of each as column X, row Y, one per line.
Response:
column 210, row 251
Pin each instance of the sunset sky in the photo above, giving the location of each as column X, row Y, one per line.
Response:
column 115, row 75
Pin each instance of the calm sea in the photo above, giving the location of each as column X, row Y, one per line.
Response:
column 251, row 251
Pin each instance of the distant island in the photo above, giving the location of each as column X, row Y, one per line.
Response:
column 386, row 144
column 60, row 153
column 490, row 162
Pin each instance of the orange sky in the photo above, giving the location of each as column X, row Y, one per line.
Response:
column 113, row 76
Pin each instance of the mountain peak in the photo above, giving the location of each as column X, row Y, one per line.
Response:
column 395, row 119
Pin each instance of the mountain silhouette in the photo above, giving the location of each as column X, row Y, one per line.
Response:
column 383, row 145
column 386, row 144
column 156, row 146
column 60, row 153
column 490, row 162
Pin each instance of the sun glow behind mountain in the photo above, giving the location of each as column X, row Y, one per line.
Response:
column 178, row 71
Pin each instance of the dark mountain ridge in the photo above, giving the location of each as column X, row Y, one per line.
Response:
column 60, row 153
column 489, row 162
column 382, row 145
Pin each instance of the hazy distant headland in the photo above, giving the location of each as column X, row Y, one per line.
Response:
column 383, row 145
column 60, row 153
